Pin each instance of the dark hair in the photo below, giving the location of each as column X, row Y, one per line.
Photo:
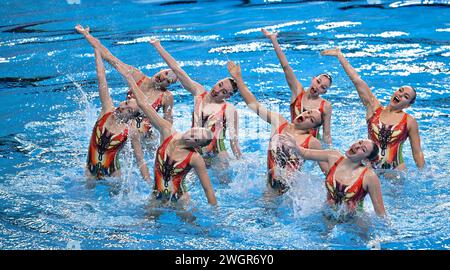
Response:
column 374, row 154
column 234, row 85
column 328, row 77
column 415, row 95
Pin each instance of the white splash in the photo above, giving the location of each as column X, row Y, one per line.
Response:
column 267, row 70
column 170, row 38
column 248, row 47
column 6, row 60
column 332, row 25
column 392, row 34
column 275, row 27
column 214, row 62
column 89, row 55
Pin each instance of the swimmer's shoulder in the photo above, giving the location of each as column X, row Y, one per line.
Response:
column 370, row 178
column 197, row 160
column 314, row 143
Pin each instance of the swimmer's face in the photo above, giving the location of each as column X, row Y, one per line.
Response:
column 222, row 90
column 319, row 85
column 402, row 97
column 165, row 77
column 308, row 119
column 127, row 109
column 197, row 137
column 359, row 150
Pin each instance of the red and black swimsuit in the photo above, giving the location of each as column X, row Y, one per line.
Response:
column 103, row 149
column 142, row 123
column 215, row 122
column 170, row 174
column 297, row 108
column 389, row 138
column 352, row 195
column 278, row 159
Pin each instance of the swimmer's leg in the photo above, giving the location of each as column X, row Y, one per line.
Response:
column 109, row 57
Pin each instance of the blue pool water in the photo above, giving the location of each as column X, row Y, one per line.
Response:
column 49, row 103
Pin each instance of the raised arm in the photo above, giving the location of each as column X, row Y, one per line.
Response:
column 374, row 189
column 365, row 94
column 107, row 55
column 414, row 140
column 168, row 106
column 193, row 87
column 139, row 154
column 162, row 125
column 232, row 115
column 200, row 168
column 270, row 117
column 294, row 84
column 328, row 156
column 105, row 98
column 327, row 123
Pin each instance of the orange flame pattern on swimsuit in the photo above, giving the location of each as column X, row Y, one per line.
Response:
column 170, row 174
column 215, row 122
column 338, row 193
column 389, row 138
column 103, row 149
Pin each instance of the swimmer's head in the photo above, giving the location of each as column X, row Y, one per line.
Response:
column 127, row 110
column 164, row 78
column 361, row 150
column 404, row 97
column 197, row 137
column 308, row 119
column 320, row 84
column 223, row 89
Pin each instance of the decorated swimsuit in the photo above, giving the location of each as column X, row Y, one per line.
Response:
column 280, row 158
column 215, row 122
column 142, row 123
column 337, row 193
column 297, row 108
column 389, row 138
column 103, row 149
column 170, row 174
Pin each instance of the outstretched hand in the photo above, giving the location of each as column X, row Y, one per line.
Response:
column 233, row 69
column 154, row 41
column 269, row 35
column 332, row 52
column 82, row 30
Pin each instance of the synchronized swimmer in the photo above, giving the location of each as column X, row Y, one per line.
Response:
column 349, row 177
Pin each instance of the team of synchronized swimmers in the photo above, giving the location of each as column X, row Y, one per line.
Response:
column 148, row 105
